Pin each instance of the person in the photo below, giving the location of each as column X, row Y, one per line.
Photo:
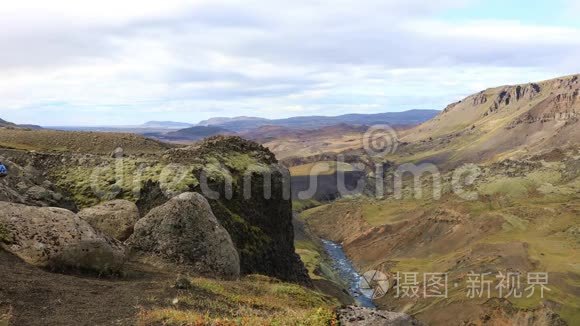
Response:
column 3, row 170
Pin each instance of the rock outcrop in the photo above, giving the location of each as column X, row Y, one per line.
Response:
column 265, row 235
column 185, row 233
column 261, row 225
column 58, row 239
column 115, row 218
column 358, row 316
column 26, row 185
column 260, row 228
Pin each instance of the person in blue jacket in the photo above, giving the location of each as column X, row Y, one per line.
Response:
column 3, row 170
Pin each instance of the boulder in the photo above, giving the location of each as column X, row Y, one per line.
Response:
column 38, row 193
column 185, row 233
column 58, row 239
column 9, row 194
column 115, row 218
column 359, row 316
column 25, row 185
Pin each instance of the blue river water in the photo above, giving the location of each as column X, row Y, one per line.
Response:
column 346, row 271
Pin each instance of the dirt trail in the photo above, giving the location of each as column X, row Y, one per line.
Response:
column 37, row 297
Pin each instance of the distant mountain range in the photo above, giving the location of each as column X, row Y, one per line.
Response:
column 261, row 129
column 222, row 120
column 166, row 125
column 243, row 124
column 238, row 124
column 6, row 124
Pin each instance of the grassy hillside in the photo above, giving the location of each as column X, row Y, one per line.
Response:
column 320, row 168
column 494, row 124
column 4, row 123
column 10, row 125
column 255, row 300
column 526, row 219
column 77, row 142
column 151, row 297
column 498, row 123
column 307, row 143
column 318, row 263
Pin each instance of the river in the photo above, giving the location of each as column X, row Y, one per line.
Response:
column 346, row 271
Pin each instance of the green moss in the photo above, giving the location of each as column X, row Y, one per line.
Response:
column 301, row 296
column 390, row 211
column 4, row 235
column 570, row 313
column 321, row 168
column 310, row 254
column 240, row 161
column 518, row 187
column 250, row 240
column 316, row 261
column 209, row 285
column 513, row 222
column 122, row 179
column 512, row 187
column 309, row 212
column 299, row 205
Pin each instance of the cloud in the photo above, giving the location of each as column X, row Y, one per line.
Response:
column 72, row 61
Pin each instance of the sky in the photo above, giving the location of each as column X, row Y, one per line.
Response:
column 113, row 62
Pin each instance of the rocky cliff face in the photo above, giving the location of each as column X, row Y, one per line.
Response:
column 260, row 227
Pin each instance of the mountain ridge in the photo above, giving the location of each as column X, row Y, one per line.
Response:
column 166, row 124
column 400, row 118
column 221, row 120
column 502, row 121
column 7, row 124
